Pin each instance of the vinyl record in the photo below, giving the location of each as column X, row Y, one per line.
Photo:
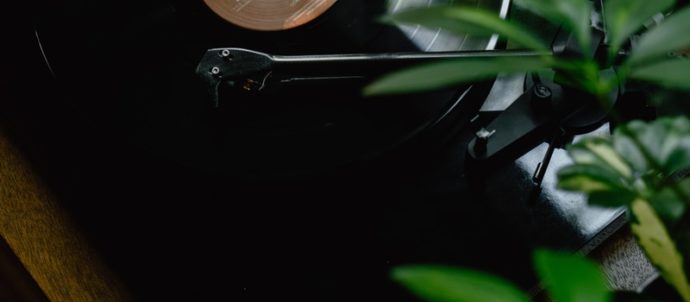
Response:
column 131, row 65
column 269, row 14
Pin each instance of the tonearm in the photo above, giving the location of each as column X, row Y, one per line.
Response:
column 548, row 111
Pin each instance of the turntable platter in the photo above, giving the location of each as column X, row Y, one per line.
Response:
column 130, row 65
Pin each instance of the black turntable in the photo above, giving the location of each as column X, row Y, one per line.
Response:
column 301, row 190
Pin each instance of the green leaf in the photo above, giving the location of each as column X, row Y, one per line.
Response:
column 666, row 139
column 450, row 72
column 445, row 284
column 678, row 159
column 651, row 135
column 578, row 73
column 606, row 152
column 590, row 178
column 600, row 172
column 599, row 151
column 627, row 149
column 625, row 17
column 675, row 151
column 468, row 20
column 659, row 247
column 571, row 278
column 611, row 199
column 671, row 73
column 669, row 36
column 667, row 204
column 573, row 14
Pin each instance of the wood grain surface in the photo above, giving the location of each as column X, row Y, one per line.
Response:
column 45, row 241
column 16, row 284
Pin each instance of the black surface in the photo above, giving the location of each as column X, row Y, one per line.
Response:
column 177, row 233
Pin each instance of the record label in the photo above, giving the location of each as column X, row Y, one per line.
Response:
column 269, row 15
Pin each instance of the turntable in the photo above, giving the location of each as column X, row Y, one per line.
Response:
column 278, row 175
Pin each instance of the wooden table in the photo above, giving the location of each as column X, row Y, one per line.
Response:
column 43, row 257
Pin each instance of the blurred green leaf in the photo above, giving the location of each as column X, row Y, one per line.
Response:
column 681, row 235
column 445, row 284
column 578, row 73
column 669, row 36
column 676, row 147
column 599, row 151
column 571, row 278
column 603, row 186
column 678, row 159
column 625, row 17
column 589, row 178
column 451, row 72
column 611, row 199
column 627, row 149
column 651, row 135
column 668, row 205
column 468, row 20
column 670, row 73
column 614, row 171
column 573, row 14
column 659, row 247
column 666, row 139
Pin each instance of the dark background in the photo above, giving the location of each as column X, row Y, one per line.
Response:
column 174, row 232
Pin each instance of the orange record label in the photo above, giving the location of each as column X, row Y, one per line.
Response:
column 269, row 15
